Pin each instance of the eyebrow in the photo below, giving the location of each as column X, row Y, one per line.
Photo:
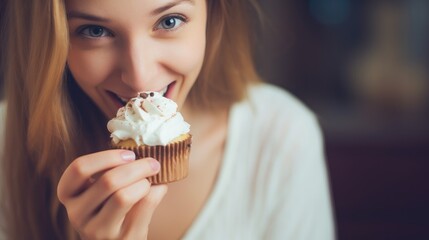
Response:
column 77, row 14
column 170, row 5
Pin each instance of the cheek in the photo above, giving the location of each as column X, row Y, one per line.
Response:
column 186, row 56
column 194, row 53
column 188, row 61
column 194, row 56
column 90, row 68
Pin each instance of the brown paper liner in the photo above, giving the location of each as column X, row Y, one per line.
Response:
column 173, row 159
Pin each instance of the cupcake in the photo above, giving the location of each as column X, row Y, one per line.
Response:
column 150, row 126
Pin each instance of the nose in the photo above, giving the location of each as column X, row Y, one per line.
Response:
column 140, row 65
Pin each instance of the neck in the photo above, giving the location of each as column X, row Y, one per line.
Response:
column 202, row 120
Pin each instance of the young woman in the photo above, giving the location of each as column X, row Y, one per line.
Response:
column 256, row 166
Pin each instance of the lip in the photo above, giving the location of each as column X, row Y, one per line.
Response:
column 170, row 88
column 121, row 101
column 116, row 99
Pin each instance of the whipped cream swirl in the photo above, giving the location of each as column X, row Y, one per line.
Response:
column 149, row 119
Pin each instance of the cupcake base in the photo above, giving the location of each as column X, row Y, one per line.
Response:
column 173, row 158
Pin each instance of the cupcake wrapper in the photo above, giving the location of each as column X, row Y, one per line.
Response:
column 172, row 157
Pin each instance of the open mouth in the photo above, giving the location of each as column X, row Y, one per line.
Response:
column 122, row 101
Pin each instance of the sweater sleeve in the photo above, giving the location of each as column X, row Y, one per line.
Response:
column 303, row 208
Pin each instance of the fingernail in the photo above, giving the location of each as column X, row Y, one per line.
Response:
column 155, row 165
column 128, row 156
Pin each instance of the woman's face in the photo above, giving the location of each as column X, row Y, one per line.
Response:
column 121, row 48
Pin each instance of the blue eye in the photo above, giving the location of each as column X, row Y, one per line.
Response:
column 170, row 23
column 94, row 31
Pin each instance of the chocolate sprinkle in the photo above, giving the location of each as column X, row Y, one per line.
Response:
column 152, row 94
column 144, row 95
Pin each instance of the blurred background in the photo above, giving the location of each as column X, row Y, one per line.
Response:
column 362, row 67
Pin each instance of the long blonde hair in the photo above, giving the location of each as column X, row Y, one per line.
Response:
column 44, row 125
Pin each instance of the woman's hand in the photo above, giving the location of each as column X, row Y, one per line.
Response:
column 107, row 195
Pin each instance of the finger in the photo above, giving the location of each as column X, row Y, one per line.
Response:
column 77, row 174
column 108, row 184
column 108, row 221
column 136, row 223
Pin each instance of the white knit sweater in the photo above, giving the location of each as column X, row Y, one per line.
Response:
column 273, row 182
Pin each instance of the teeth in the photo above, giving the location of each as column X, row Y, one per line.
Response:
column 163, row 91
